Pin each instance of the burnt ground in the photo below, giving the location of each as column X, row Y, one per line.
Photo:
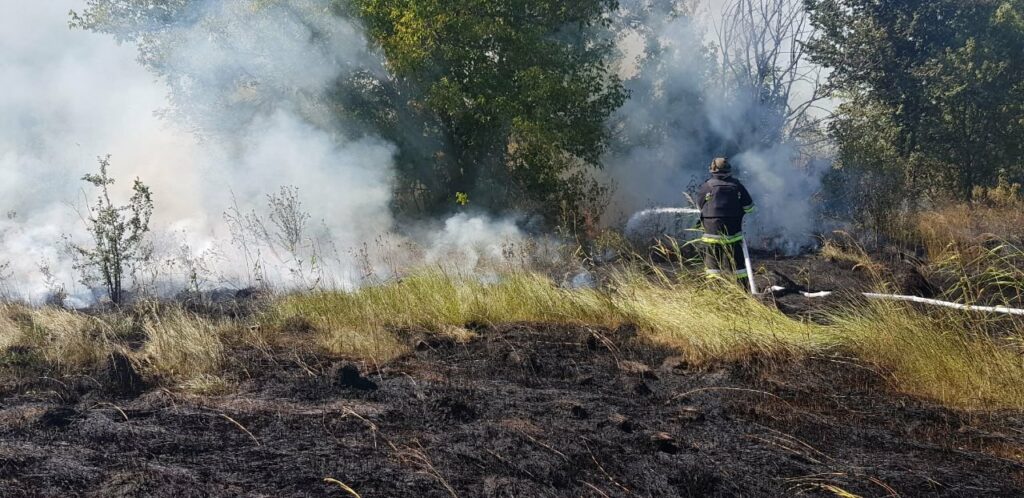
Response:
column 812, row 273
column 522, row 410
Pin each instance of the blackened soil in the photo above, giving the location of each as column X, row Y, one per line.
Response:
column 847, row 280
column 525, row 410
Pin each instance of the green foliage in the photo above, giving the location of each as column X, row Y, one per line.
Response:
column 503, row 100
column 118, row 235
column 521, row 90
column 934, row 89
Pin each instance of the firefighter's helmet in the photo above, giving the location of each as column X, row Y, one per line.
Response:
column 721, row 165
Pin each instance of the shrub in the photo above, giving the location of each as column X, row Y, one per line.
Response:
column 118, row 234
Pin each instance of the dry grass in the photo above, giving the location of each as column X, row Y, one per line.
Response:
column 943, row 357
column 66, row 340
column 715, row 322
column 205, row 385
column 852, row 253
column 977, row 247
column 181, row 346
column 946, row 357
column 178, row 346
column 362, row 323
column 962, row 228
column 698, row 320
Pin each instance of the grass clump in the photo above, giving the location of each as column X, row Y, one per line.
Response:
column 181, row 346
column 851, row 253
column 175, row 345
column 942, row 356
column 65, row 340
column 698, row 320
column 363, row 323
column 715, row 322
column 947, row 357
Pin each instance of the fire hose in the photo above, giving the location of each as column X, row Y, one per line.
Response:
column 915, row 299
column 871, row 295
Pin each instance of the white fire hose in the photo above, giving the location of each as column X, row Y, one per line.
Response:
column 921, row 300
column 883, row 297
column 652, row 221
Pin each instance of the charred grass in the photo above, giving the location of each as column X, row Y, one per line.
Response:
column 948, row 357
column 441, row 384
column 518, row 410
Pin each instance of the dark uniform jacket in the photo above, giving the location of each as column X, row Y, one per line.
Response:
column 723, row 202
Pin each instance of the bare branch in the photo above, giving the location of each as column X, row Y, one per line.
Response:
column 764, row 52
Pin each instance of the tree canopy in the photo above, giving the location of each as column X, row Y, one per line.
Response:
column 934, row 89
column 502, row 101
column 520, row 88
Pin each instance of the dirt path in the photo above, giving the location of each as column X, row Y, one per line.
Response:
column 520, row 411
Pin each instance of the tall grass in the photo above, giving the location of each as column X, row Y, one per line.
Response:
column 177, row 346
column 181, row 346
column 65, row 340
column 363, row 323
column 978, row 248
column 704, row 322
column 944, row 357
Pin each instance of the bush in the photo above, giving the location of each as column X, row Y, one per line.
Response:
column 118, row 234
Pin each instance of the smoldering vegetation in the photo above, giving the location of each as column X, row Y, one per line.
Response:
column 272, row 101
column 380, row 247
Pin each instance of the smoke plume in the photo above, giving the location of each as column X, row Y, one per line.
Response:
column 229, row 111
column 255, row 179
column 685, row 109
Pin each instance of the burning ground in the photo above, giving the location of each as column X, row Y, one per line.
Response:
column 482, row 408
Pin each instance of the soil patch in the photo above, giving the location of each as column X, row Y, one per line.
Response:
column 522, row 410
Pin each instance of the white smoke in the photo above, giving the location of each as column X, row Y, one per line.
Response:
column 67, row 98
column 681, row 115
column 251, row 77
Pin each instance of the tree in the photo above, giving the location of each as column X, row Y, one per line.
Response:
column 521, row 89
column 947, row 78
column 503, row 100
column 118, row 235
column 764, row 55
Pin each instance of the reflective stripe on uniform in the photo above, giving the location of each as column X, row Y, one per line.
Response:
column 712, row 274
column 718, row 274
column 721, row 239
column 750, row 209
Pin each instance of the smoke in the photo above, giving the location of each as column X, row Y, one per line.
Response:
column 685, row 109
column 234, row 106
column 219, row 105
column 68, row 97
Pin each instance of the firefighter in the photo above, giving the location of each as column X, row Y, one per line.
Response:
column 723, row 202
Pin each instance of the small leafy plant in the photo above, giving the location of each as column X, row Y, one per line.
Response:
column 119, row 245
